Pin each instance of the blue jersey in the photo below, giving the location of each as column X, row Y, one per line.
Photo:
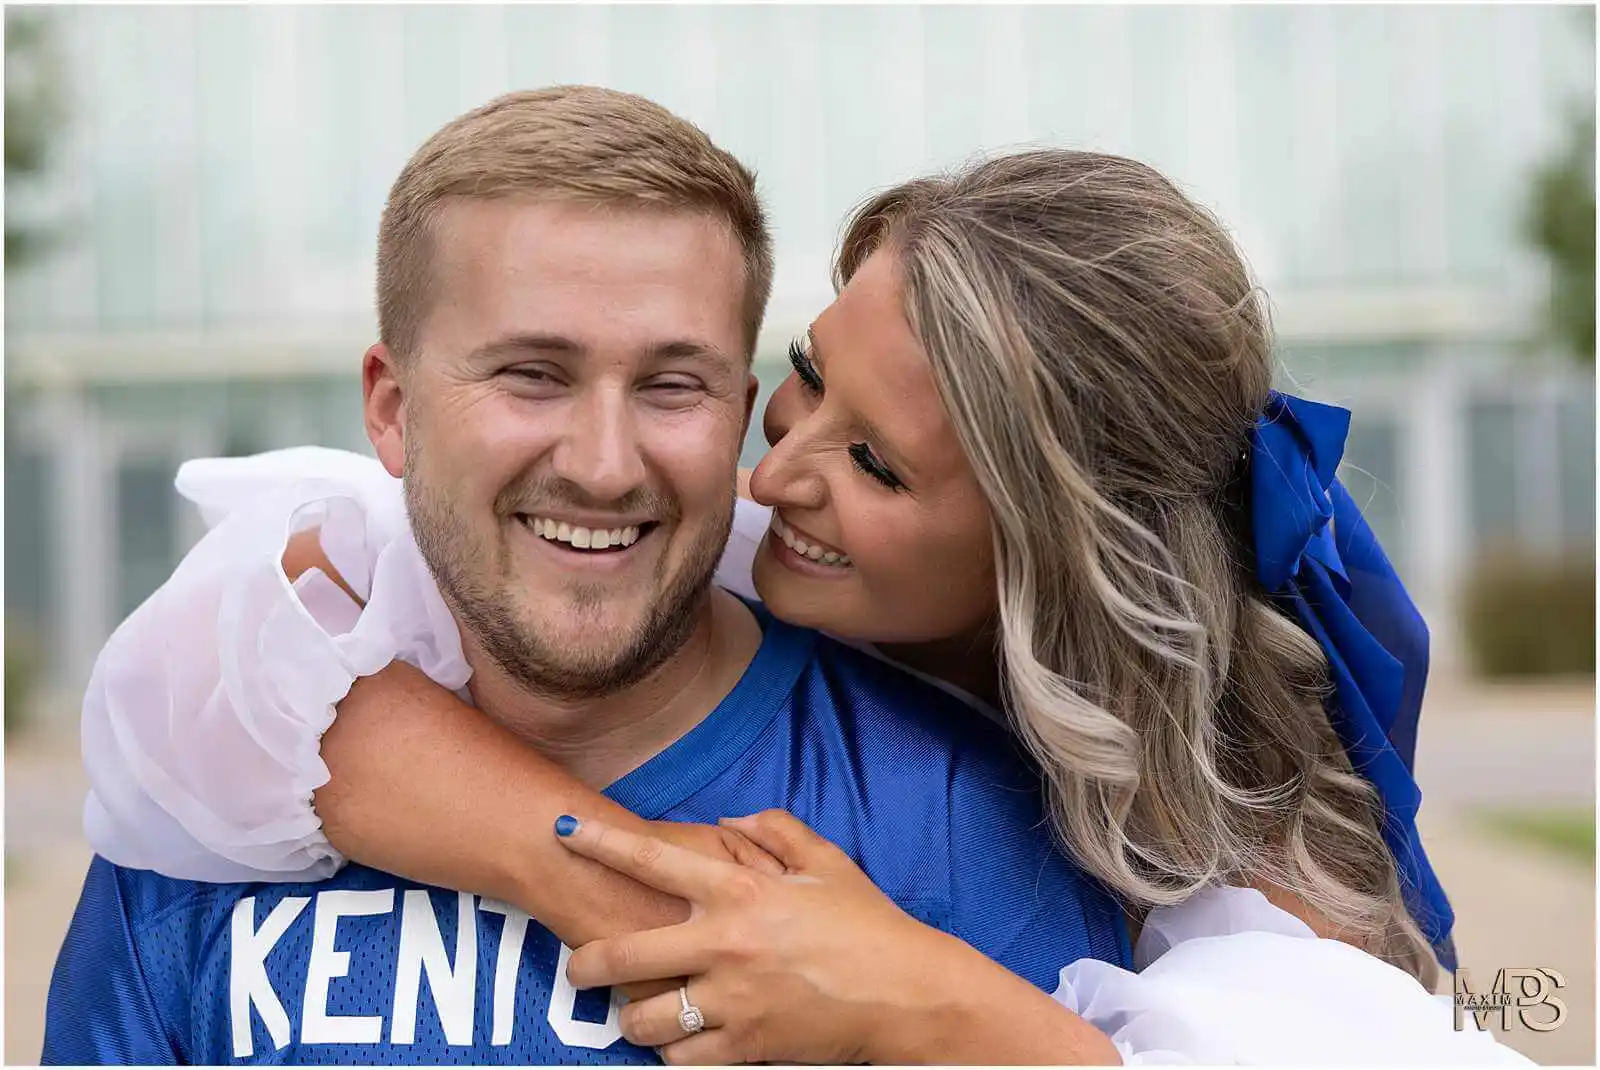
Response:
column 932, row 799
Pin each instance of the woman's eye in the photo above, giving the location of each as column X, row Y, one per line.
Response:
column 804, row 370
column 862, row 457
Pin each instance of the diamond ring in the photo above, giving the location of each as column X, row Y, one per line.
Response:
column 689, row 1018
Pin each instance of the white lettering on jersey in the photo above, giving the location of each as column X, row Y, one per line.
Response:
column 507, row 960
column 422, row 948
column 247, row 971
column 317, row 1026
column 564, row 1001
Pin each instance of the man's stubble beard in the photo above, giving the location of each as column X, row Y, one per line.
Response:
column 479, row 594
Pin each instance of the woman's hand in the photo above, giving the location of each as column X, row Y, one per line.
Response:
column 398, row 721
column 776, row 960
column 816, row 965
column 721, row 842
column 428, row 787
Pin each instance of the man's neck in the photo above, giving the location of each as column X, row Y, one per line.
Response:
column 600, row 740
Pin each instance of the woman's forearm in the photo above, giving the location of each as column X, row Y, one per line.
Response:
column 971, row 1010
column 429, row 787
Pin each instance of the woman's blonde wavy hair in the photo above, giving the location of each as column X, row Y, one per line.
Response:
column 1102, row 354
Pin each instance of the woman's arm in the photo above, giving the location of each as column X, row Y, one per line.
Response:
column 429, row 787
column 204, row 719
column 821, row 967
column 817, row 965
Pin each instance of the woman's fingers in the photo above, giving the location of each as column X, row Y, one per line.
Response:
column 788, row 839
column 711, row 1048
column 654, row 1022
column 647, row 859
column 650, row 955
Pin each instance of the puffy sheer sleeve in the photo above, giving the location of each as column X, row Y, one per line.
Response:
column 1227, row 978
column 750, row 523
column 204, row 713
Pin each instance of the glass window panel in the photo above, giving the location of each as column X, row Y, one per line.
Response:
column 30, row 546
column 331, row 179
column 746, row 93
column 146, row 528
column 432, row 70
column 1270, row 198
column 1371, row 473
column 1576, row 430
column 1160, row 128
column 1371, row 213
column 952, row 43
column 1475, row 162
column 230, row 241
column 1492, row 472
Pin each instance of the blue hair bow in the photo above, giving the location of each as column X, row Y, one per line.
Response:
column 1320, row 562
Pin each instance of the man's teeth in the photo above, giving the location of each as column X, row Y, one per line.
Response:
column 582, row 538
column 814, row 553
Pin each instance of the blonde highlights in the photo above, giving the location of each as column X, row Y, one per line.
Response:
column 575, row 143
column 1102, row 354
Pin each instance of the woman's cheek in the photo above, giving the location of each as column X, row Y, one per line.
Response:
column 946, row 584
column 783, row 410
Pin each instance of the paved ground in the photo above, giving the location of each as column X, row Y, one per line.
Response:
column 1519, row 907
column 1491, row 746
column 1516, row 905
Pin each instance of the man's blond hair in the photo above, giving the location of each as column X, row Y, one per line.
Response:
column 578, row 143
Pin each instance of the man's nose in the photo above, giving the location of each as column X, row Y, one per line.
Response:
column 599, row 452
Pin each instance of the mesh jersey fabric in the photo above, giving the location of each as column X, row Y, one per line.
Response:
column 933, row 800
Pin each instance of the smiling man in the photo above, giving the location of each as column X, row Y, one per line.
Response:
column 570, row 285
column 568, row 448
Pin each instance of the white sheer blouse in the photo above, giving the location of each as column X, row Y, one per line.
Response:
column 203, row 719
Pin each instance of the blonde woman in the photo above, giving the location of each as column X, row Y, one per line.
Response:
column 1031, row 452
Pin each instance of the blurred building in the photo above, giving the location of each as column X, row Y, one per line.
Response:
column 224, row 168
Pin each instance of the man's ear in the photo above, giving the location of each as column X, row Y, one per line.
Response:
column 383, row 406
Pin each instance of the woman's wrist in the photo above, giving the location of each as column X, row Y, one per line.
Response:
column 966, row 1009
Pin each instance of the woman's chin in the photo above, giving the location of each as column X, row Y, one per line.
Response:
column 822, row 603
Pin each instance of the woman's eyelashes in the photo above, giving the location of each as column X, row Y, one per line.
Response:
column 804, row 370
column 860, row 453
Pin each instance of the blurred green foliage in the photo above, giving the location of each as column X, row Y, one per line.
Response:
column 1531, row 615
column 1560, row 223
column 35, row 114
column 1568, row 833
column 24, row 667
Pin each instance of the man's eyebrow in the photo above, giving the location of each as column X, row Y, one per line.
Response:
column 528, row 343
column 560, row 345
column 689, row 350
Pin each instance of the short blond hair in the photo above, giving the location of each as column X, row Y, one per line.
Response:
column 579, row 143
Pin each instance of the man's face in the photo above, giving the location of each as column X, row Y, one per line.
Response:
column 569, row 431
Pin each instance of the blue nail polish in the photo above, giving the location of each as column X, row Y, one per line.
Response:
column 566, row 825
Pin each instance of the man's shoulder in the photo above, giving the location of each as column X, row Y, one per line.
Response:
column 903, row 738
column 945, row 809
column 147, row 898
column 878, row 697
